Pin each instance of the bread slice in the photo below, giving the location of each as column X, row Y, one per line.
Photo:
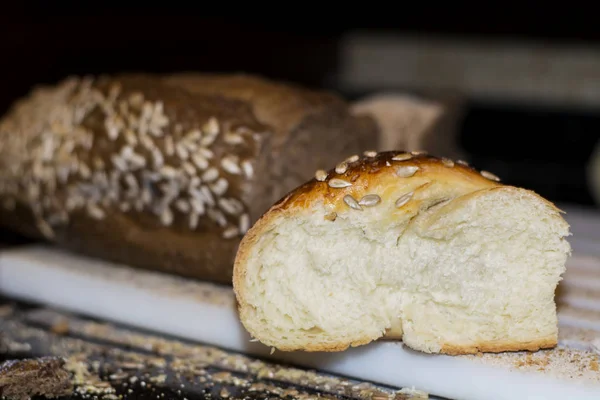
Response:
column 404, row 246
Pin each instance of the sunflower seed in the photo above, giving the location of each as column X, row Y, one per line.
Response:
column 341, row 167
column 352, row 203
column 490, row 176
column 406, row 171
column 401, row 157
column 447, row 162
column 370, row 153
column 338, row 183
column 320, row 175
column 404, row 199
column 370, row 200
column 352, row 158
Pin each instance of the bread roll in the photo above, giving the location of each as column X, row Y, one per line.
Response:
column 160, row 173
column 405, row 246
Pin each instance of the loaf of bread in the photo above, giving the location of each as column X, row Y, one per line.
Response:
column 403, row 246
column 164, row 172
column 413, row 122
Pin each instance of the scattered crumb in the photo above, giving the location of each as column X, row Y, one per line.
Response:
column 61, row 327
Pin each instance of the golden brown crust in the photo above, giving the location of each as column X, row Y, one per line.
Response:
column 374, row 172
column 152, row 172
column 499, row 346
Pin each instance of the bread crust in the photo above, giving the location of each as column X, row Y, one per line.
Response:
column 211, row 154
column 367, row 172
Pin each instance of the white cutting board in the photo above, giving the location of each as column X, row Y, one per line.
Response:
column 206, row 313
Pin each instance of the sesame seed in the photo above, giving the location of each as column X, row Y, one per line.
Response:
column 229, row 164
column 233, row 138
column 130, row 137
column 189, row 168
column 193, row 135
column 210, row 175
column 370, row 153
column 118, row 162
column 490, row 176
column 218, row 217
column 147, row 142
column 200, row 161
column 338, row 183
column 208, row 197
column 137, row 161
column 136, row 100
column 168, row 171
column 418, row 153
column 94, row 211
column 352, row 203
column 193, row 222
column 352, row 158
column 131, row 181
column 230, row 206
column 45, row 229
column 182, row 151
column 182, row 205
column 247, row 168
column 230, row 233
column 402, row 200
column 219, row 187
column 157, row 158
column 406, row 171
column 244, row 223
column 341, row 167
column 401, row 157
column 84, row 171
column 195, row 182
column 320, row 175
column 206, row 153
column 169, row 146
column 447, row 162
column 166, row 217
column 211, row 127
column 462, row 162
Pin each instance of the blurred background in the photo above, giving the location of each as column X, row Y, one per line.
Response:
column 525, row 90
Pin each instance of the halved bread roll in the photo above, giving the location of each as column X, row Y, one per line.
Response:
column 404, row 246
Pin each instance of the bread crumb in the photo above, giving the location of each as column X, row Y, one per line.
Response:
column 60, row 328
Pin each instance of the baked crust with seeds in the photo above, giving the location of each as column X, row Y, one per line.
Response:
column 404, row 246
column 155, row 172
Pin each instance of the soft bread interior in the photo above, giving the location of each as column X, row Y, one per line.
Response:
column 476, row 272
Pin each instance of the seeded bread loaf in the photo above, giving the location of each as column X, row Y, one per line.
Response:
column 160, row 173
column 403, row 246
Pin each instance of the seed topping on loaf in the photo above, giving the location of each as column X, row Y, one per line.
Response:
column 162, row 164
column 406, row 165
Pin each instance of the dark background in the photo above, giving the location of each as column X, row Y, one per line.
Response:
column 544, row 149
